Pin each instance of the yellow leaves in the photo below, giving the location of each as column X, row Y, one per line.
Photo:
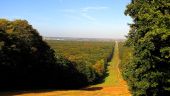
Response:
column 9, row 26
column 9, row 30
column 21, row 23
column 99, row 67
column 3, row 21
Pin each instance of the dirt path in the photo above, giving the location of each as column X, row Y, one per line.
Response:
column 114, row 85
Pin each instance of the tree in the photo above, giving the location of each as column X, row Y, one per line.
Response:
column 23, row 53
column 26, row 61
column 148, row 73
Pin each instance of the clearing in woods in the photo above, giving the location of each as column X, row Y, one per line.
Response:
column 114, row 85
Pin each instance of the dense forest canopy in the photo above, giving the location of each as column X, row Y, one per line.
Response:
column 90, row 57
column 148, row 74
column 26, row 61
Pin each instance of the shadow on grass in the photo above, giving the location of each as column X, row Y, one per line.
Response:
column 102, row 79
column 30, row 91
column 20, row 92
column 92, row 89
column 106, row 65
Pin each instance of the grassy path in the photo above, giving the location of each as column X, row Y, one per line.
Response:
column 114, row 85
column 113, row 69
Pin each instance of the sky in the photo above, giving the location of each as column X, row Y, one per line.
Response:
column 71, row 18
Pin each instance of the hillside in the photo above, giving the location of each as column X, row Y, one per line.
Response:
column 114, row 85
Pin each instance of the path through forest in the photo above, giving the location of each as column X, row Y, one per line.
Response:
column 114, row 85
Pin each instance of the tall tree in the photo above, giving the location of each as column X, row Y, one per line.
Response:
column 148, row 73
column 26, row 61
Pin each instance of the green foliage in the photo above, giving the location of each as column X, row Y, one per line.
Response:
column 148, row 72
column 90, row 57
column 125, row 56
column 26, row 61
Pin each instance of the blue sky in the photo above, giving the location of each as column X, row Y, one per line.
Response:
column 71, row 18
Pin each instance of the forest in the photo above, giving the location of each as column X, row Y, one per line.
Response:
column 87, row 55
column 27, row 61
column 30, row 62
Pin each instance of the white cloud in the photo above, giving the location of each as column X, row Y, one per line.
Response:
column 86, row 15
column 84, row 12
column 71, row 13
column 86, row 9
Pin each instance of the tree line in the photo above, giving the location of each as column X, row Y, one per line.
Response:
column 28, row 62
column 148, row 73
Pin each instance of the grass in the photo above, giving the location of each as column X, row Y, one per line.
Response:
column 125, row 54
column 113, row 71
